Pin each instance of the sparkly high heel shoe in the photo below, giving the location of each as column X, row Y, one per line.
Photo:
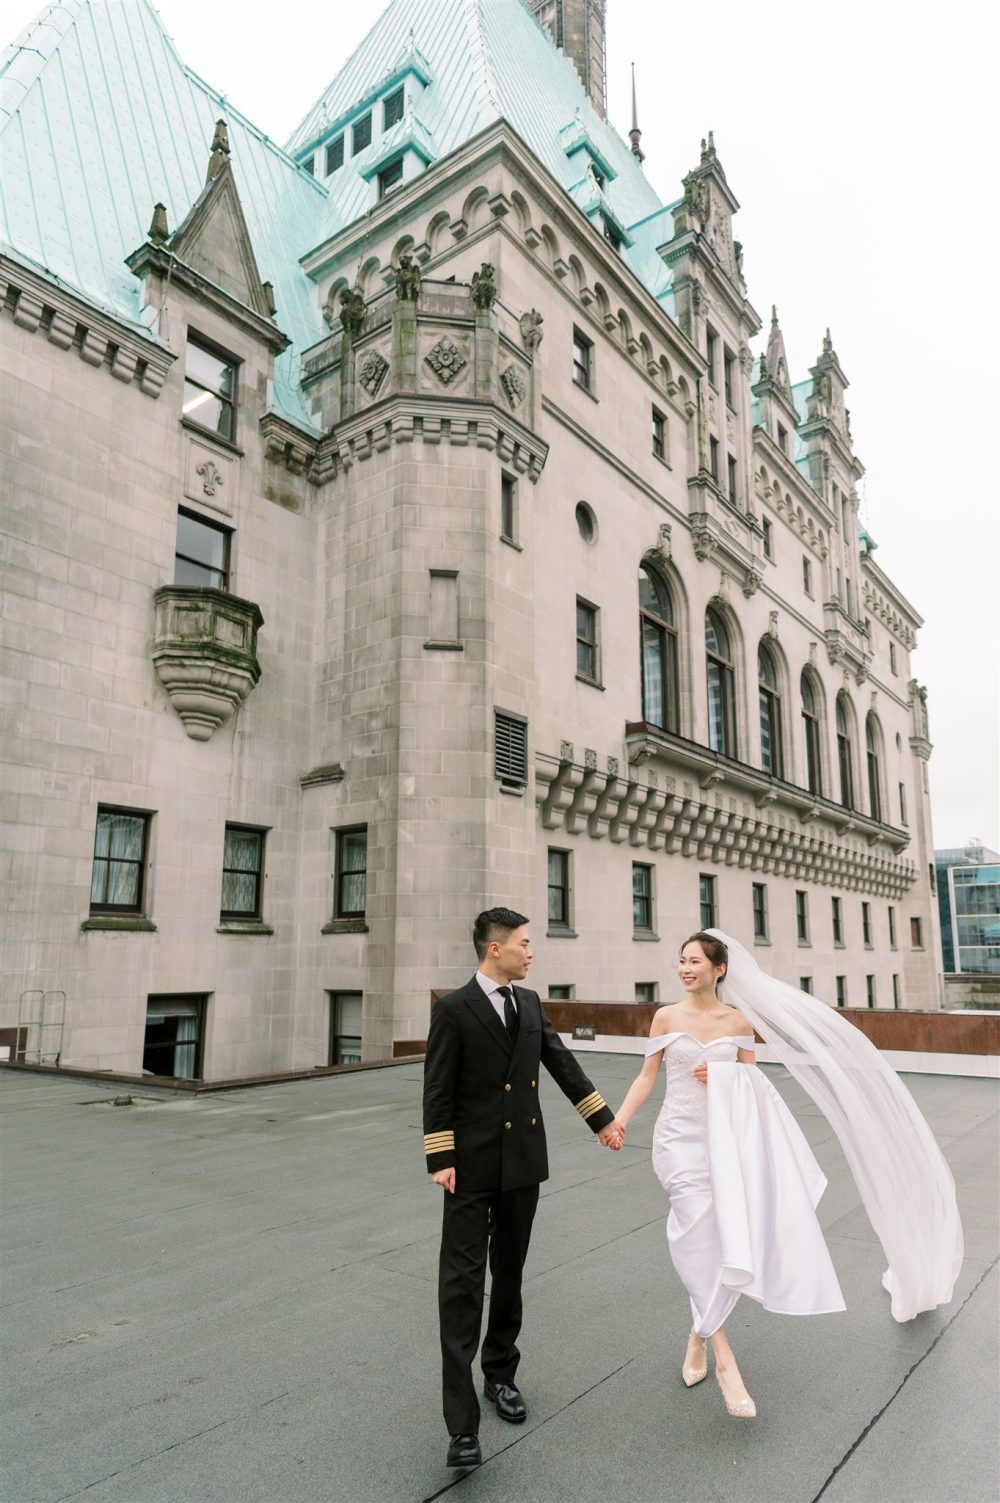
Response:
column 693, row 1375
column 738, row 1408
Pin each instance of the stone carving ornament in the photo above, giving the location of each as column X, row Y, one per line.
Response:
column 514, row 385
column 484, row 287
column 446, row 360
column 531, row 329
column 407, row 280
column 372, row 372
column 352, row 312
column 212, row 478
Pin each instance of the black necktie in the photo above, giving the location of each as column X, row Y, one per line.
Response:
column 509, row 1010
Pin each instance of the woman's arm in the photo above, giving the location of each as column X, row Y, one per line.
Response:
column 639, row 1089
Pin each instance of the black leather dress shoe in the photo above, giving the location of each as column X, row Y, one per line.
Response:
column 464, row 1451
column 509, row 1401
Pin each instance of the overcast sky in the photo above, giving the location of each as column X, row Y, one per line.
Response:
column 861, row 145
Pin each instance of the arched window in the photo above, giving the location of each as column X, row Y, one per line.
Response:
column 810, row 736
column 844, row 760
column 770, row 712
column 874, row 770
column 658, row 636
column 721, row 686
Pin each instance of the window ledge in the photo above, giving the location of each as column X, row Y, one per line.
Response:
column 761, row 941
column 123, row 924
column 591, row 683
column 663, row 461
column 805, row 944
column 839, row 944
column 243, row 926
column 586, row 391
column 345, row 926
column 435, row 646
column 560, row 931
column 511, row 543
column 645, row 936
column 218, row 438
column 514, row 790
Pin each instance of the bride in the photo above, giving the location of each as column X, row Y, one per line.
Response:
column 742, row 1181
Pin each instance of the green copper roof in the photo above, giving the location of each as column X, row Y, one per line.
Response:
column 100, row 120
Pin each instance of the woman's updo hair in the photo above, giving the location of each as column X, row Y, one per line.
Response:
column 714, row 949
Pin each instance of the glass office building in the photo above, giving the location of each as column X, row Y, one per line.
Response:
column 969, row 899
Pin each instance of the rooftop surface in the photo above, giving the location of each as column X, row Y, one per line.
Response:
column 233, row 1297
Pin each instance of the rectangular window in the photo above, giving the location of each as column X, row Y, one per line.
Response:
column 209, row 388
column 733, row 479
column 390, row 177
column 807, row 576
column 587, row 646
column 351, row 885
column 242, row 870
column 508, row 508
column 713, row 458
column 806, row 985
column 711, row 351
column 707, row 904
column 659, row 434
column 729, row 377
column 782, row 439
column 560, row 993
column 768, row 537
column 201, row 553
column 870, row 991
column 392, row 109
column 442, row 615
column 361, row 134
column 892, row 658
column 802, row 917
column 902, row 804
column 837, row 904
column 559, row 889
column 892, row 928
column 896, row 995
column 759, row 890
column 172, row 1043
column 346, row 1010
column 334, row 155
column 645, row 991
column 866, row 924
column 917, row 933
column 583, row 360
column 642, row 896
column 117, row 879
column 841, row 982
column 511, row 749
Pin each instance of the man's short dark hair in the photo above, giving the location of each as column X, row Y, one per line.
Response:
column 494, row 923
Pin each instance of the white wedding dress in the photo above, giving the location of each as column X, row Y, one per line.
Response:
column 743, row 1187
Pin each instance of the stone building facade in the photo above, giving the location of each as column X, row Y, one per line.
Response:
column 380, row 547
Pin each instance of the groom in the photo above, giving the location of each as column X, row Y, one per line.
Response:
column 485, row 1146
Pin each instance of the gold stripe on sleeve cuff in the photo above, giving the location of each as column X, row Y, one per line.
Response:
column 590, row 1104
column 439, row 1142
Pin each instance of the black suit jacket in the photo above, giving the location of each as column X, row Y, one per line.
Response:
column 481, row 1111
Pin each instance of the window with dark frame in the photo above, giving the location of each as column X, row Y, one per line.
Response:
column 902, row 805
column 811, row 736
column 392, row 109
column 118, row 875
column 361, row 134
column 508, row 507
column 768, row 537
column 759, row 891
column 209, row 398
column 583, row 360
column 587, row 645
column 721, row 686
column 783, row 439
column 870, row 991
column 729, row 377
column 707, row 902
column 334, row 155
column 586, row 522
column 309, row 165
column 892, row 658
column 807, row 576
column 201, row 553
column 892, row 927
column 866, row 925
column 802, row 917
column 917, row 933
column 874, row 770
column 346, row 1015
column 510, row 749
column 711, row 351
column 841, row 983
column 897, row 999
column 242, row 871
column 172, row 1043
column 806, row 985
column 770, row 712
column 659, row 434
column 558, row 863
column 837, row 906
column 611, row 235
column 642, row 896
column 658, row 651
column 732, row 474
column 390, row 178
column 560, row 993
column 351, row 881
column 713, row 457
column 646, row 991
column 844, row 761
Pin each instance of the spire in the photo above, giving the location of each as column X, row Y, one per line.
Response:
column 158, row 230
column 775, row 361
column 635, row 133
column 220, row 150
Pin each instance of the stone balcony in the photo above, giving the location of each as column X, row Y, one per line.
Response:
column 205, row 654
column 848, row 642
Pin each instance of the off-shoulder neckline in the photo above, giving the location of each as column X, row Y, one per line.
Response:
column 682, row 1033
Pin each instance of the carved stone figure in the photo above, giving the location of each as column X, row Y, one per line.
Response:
column 407, row 279
column 352, row 312
column 446, row 360
column 531, row 329
column 484, row 287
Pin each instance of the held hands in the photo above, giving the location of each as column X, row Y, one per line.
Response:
column 612, row 1136
column 700, row 1072
column 446, row 1179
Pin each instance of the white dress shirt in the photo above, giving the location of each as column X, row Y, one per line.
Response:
column 492, row 990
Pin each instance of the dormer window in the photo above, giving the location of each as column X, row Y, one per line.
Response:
column 309, row 165
column 598, row 176
column 361, row 134
column 392, row 109
column 390, row 178
column 334, row 155
column 782, row 439
column 611, row 235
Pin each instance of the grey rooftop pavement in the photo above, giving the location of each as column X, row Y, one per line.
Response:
column 231, row 1298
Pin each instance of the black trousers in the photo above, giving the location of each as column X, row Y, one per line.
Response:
column 495, row 1225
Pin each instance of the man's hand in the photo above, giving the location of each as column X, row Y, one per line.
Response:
column 446, row 1179
column 612, row 1136
column 700, row 1072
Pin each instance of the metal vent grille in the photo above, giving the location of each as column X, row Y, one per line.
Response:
column 511, row 749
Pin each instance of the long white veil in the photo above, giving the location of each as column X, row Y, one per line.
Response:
column 905, row 1185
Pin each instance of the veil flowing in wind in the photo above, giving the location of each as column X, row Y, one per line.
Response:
column 905, row 1185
